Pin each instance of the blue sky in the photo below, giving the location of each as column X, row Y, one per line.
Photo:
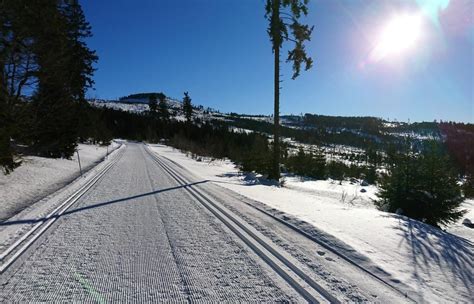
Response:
column 219, row 51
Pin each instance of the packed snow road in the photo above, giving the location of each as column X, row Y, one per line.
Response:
column 145, row 233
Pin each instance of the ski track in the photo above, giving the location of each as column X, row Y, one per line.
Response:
column 160, row 247
column 342, row 279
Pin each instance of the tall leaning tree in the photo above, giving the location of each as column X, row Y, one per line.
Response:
column 284, row 26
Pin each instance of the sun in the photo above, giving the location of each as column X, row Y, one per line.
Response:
column 399, row 35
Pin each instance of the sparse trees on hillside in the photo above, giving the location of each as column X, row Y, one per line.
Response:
column 187, row 107
column 284, row 25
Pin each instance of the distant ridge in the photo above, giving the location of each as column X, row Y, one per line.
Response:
column 138, row 97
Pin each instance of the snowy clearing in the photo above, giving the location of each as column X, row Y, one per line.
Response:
column 38, row 177
column 436, row 264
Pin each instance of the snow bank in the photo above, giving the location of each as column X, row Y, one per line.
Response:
column 37, row 177
column 438, row 265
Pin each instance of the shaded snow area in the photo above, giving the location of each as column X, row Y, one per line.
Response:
column 435, row 265
column 38, row 177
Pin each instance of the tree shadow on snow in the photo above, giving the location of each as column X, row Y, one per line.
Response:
column 432, row 248
column 42, row 219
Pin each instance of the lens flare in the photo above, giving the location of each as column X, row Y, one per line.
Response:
column 432, row 9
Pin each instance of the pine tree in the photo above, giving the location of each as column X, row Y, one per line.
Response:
column 187, row 107
column 423, row 186
column 278, row 13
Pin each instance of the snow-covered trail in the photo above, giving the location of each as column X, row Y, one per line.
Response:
column 138, row 236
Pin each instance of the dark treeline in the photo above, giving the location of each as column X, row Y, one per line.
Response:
column 143, row 96
column 423, row 128
column 369, row 125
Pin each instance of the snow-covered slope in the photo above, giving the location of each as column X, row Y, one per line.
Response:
column 38, row 177
column 174, row 106
column 436, row 264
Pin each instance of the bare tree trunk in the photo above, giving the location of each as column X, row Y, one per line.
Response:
column 275, row 172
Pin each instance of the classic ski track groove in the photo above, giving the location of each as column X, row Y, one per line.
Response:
column 14, row 251
column 292, row 274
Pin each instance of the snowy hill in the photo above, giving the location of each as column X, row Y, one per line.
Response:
column 341, row 137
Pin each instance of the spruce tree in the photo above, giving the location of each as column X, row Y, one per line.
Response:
column 81, row 58
column 422, row 185
column 187, row 107
column 317, row 164
column 55, row 128
column 284, row 25
column 372, row 161
column 64, row 72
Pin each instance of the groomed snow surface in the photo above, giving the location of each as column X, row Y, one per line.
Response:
column 137, row 237
column 437, row 265
column 38, row 177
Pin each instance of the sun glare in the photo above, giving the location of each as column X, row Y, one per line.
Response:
column 399, row 35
